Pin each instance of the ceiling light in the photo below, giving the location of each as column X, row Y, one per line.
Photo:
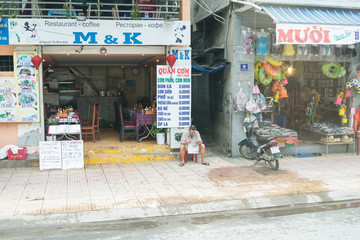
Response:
column 145, row 65
column 103, row 50
column 43, row 60
column 142, row 54
column 157, row 60
column 68, row 54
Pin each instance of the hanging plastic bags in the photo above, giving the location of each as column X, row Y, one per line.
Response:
column 240, row 101
column 252, row 106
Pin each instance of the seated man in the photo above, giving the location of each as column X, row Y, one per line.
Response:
column 192, row 137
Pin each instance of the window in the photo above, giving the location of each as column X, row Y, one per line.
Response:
column 6, row 64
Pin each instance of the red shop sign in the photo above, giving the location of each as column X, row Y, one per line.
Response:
column 146, row 2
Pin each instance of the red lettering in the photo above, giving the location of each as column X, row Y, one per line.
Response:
column 282, row 37
column 298, row 37
column 326, row 36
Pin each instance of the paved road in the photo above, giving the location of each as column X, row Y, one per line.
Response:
column 319, row 222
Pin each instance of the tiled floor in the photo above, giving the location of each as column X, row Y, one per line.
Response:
column 125, row 185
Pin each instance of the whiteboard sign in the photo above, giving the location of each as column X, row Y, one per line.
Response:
column 65, row 129
column 50, row 155
column 72, row 154
column 173, row 96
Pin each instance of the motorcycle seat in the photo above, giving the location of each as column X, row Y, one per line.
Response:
column 263, row 140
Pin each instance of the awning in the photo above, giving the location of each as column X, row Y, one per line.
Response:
column 295, row 25
column 210, row 69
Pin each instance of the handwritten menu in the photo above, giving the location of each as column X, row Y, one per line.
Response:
column 173, row 96
column 19, row 96
column 61, row 154
column 72, row 154
column 50, row 155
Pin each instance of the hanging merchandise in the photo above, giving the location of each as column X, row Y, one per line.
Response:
column 256, row 89
column 350, row 51
column 315, row 50
column 261, row 101
column 289, row 50
column 249, row 37
column 344, row 119
column 258, row 65
column 326, row 50
column 273, row 71
column 274, row 62
column 264, row 78
column 342, row 110
column 275, row 49
column 262, row 43
column 302, row 50
column 252, row 107
column 240, row 101
column 333, row 70
column 338, row 50
column 283, row 92
column 275, row 86
column 348, row 93
column 338, row 100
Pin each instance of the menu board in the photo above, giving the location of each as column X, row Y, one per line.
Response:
column 61, row 154
column 173, row 96
column 50, row 155
column 72, row 154
column 19, row 96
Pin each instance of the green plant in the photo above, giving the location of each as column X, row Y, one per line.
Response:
column 9, row 13
column 155, row 130
column 67, row 11
column 135, row 12
column 51, row 121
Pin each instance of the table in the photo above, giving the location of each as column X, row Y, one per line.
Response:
column 143, row 121
column 65, row 131
column 327, row 135
column 73, row 117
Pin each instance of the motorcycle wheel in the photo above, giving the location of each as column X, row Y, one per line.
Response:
column 247, row 152
column 274, row 164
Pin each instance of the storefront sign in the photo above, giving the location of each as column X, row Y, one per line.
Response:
column 182, row 54
column 4, row 34
column 316, row 34
column 96, row 32
column 173, row 96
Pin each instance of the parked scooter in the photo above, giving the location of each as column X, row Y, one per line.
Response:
column 259, row 148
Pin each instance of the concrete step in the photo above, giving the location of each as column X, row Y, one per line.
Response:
column 129, row 157
column 152, row 148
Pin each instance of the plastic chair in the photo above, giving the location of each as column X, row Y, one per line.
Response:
column 193, row 154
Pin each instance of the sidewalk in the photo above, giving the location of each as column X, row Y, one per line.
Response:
column 146, row 189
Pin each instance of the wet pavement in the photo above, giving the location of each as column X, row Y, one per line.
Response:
column 155, row 189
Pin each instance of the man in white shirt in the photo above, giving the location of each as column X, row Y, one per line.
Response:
column 192, row 137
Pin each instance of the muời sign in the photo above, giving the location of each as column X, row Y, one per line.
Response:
column 316, row 34
column 94, row 32
column 173, row 96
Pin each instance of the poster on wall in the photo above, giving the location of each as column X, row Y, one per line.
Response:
column 19, row 96
column 173, row 96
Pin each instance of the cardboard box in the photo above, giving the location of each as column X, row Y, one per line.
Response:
column 21, row 155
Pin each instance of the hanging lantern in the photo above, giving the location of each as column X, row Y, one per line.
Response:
column 36, row 60
column 171, row 60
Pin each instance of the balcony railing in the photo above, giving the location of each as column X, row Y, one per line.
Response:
column 95, row 9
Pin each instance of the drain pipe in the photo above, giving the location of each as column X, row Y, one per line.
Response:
column 247, row 3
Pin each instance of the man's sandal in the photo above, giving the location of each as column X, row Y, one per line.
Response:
column 206, row 163
column 181, row 164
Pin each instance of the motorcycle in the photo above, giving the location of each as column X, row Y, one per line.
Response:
column 259, row 148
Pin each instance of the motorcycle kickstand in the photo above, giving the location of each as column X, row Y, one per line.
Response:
column 257, row 161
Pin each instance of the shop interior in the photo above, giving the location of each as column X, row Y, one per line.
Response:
column 306, row 95
column 77, row 78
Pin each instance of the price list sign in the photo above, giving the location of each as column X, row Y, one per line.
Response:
column 173, row 96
